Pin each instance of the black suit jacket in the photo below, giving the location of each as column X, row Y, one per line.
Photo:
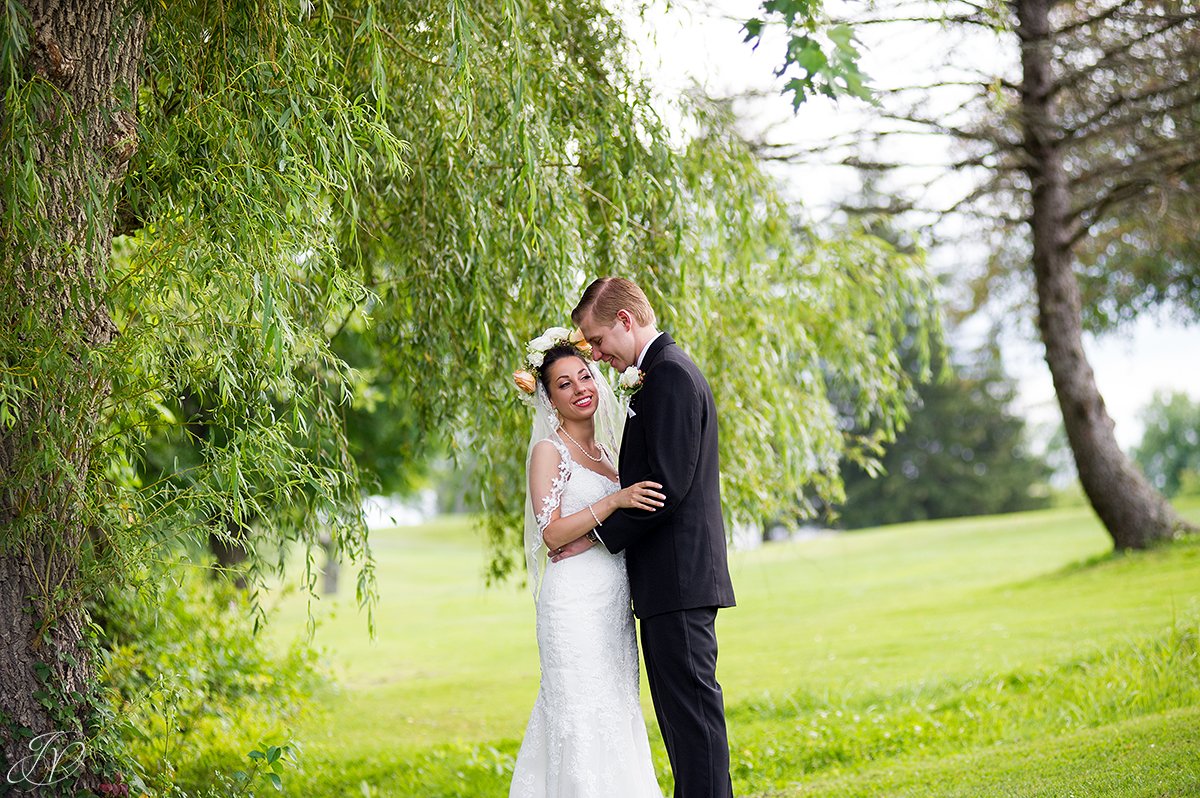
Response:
column 675, row 556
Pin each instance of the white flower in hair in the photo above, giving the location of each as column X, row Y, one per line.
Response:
column 535, row 357
column 541, row 344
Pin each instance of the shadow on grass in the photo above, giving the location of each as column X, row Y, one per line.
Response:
column 1189, row 546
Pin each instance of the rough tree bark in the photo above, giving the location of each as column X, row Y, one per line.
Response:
column 1135, row 515
column 90, row 52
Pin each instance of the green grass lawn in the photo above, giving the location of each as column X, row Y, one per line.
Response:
column 996, row 656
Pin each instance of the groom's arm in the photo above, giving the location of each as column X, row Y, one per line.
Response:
column 671, row 408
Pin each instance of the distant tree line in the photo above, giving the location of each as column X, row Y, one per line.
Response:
column 1169, row 453
column 963, row 452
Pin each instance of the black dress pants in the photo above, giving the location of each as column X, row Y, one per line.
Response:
column 680, row 649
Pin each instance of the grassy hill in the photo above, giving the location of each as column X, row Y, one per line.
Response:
column 1005, row 655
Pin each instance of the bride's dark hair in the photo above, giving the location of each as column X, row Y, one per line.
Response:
column 553, row 354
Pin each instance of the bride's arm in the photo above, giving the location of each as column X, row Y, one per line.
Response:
column 562, row 531
column 559, row 530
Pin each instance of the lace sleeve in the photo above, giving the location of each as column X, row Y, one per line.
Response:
column 549, row 471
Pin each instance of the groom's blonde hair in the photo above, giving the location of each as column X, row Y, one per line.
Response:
column 607, row 295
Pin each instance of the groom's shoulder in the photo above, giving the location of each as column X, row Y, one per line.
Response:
column 675, row 354
column 686, row 368
column 673, row 359
column 676, row 368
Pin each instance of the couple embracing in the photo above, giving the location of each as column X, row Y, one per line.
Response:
column 603, row 530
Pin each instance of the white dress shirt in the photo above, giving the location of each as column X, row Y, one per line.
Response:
column 646, row 349
column 629, row 412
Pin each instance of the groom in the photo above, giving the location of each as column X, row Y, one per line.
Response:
column 676, row 556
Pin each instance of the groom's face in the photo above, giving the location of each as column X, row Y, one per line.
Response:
column 613, row 343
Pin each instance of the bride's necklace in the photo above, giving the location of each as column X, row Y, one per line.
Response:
column 586, row 453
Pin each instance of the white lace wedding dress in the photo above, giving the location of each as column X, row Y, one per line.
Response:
column 586, row 737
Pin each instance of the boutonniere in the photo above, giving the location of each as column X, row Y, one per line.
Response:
column 630, row 381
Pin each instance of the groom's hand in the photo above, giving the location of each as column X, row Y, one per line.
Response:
column 576, row 546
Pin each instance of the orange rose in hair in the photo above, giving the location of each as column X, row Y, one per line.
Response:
column 525, row 381
column 580, row 342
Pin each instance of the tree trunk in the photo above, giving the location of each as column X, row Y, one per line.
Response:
column 229, row 549
column 89, row 52
column 329, row 585
column 1135, row 515
column 230, row 553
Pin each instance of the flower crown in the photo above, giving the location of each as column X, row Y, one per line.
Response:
column 535, row 354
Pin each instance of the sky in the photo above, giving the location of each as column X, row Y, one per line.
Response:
column 702, row 42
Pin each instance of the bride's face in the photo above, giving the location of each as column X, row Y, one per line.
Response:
column 572, row 389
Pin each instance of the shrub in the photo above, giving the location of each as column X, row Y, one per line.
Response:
column 196, row 688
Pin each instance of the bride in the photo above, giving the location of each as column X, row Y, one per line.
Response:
column 586, row 736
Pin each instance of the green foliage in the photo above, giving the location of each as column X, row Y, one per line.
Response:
column 1132, row 138
column 235, row 252
column 566, row 173
column 389, row 447
column 1169, row 453
column 25, row 110
column 1125, row 129
column 1132, row 268
column 244, row 197
column 80, row 711
column 825, row 54
column 439, row 185
column 269, row 763
column 195, row 685
column 961, row 453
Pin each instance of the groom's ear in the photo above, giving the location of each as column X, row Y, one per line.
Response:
column 626, row 318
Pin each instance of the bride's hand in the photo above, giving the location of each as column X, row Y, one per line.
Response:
column 641, row 496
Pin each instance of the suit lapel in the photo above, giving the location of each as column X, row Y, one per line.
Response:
column 655, row 351
column 652, row 356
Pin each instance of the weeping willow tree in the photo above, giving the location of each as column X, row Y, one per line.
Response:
column 178, row 200
column 196, row 200
column 555, row 184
